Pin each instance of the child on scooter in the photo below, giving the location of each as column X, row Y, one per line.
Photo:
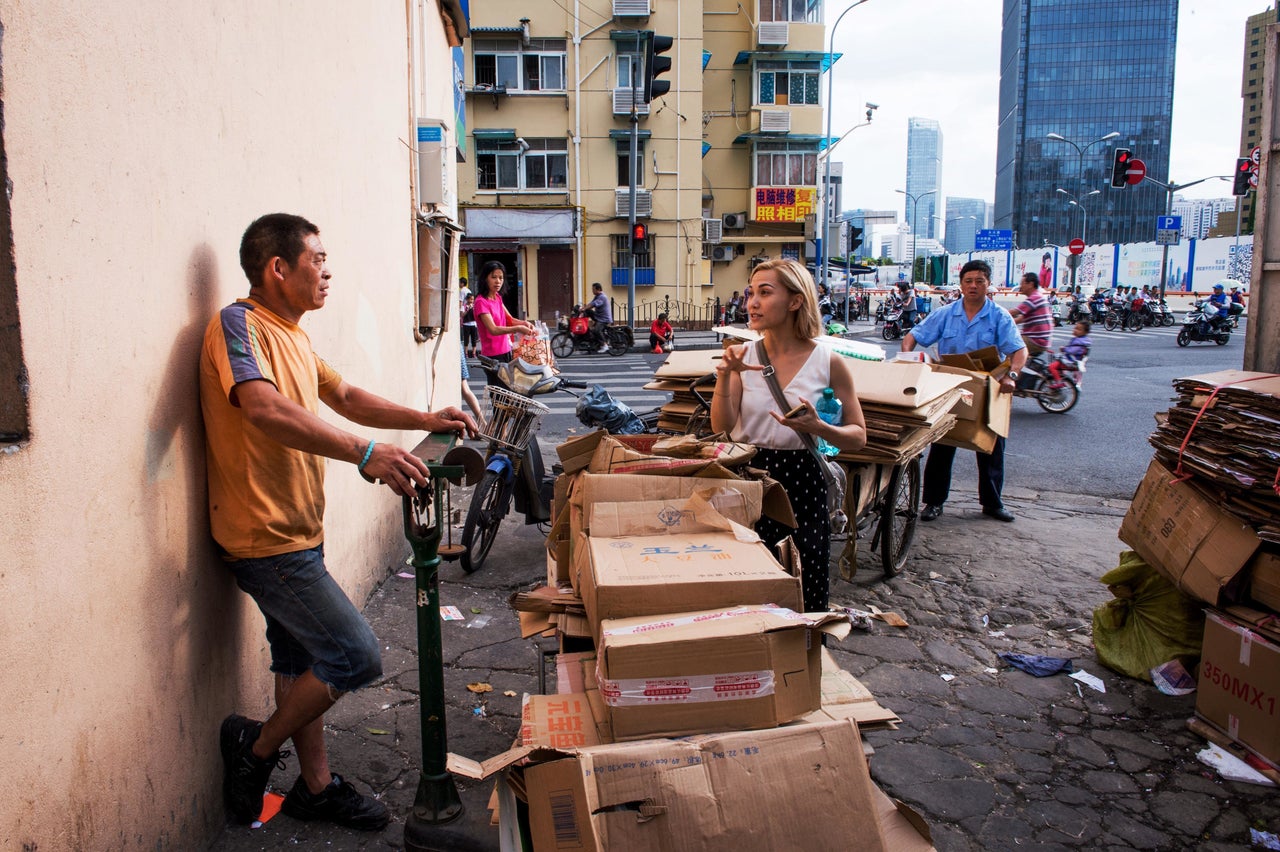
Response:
column 1070, row 356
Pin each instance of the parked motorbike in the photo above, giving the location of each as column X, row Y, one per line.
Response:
column 1056, row 309
column 1036, row 382
column 574, row 335
column 513, row 462
column 1202, row 326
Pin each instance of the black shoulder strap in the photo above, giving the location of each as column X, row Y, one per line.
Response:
column 771, row 379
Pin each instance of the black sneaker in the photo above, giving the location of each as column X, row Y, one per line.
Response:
column 338, row 803
column 244, row 777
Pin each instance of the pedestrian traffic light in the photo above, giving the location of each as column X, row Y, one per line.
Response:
column 1120, row 167
column 639, row 238
column 654, row 64
column 855, row 240
column 1244, row 169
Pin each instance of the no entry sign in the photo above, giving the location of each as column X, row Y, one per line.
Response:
column 1076, row 246
column 1137, row 171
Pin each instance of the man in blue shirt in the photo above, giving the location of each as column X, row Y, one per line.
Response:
column 601, row 313
column 972, row 323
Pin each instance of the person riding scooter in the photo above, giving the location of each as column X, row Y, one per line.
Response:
column 600, row 313
column 1219, row 304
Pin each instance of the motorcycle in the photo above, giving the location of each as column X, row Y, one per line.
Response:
column 574, row 335
column 1098, row 308
column 513, row 467
column 1077, row 309
column 894, row 327
column 1200, row 327
column 1056, row 309
column 1036, row 382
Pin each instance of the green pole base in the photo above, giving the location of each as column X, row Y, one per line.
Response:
column 436, row 806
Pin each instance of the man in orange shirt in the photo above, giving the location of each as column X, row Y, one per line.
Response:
column 260, row 389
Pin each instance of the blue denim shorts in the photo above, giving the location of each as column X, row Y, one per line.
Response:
column 311, row 623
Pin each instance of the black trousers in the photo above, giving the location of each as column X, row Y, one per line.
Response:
column 937, row 475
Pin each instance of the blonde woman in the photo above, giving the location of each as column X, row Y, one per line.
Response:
column 782, row 304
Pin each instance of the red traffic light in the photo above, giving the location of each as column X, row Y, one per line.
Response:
column 639, row 231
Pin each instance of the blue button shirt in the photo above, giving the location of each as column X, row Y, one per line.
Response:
column 955, row 333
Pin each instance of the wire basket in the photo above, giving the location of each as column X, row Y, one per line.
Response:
column 512, row 418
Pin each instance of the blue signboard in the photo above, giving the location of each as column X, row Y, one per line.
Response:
column 993, row 239
column 1168, row 223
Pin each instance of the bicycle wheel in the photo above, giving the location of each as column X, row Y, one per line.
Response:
column 1112, row 322
column 1134, row 322
column 898, row 514
column 562, row 344
column 617, row 343
column 1058, row 401
column 488, row 507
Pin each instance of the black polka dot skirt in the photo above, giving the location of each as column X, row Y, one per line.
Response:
column 801, row 477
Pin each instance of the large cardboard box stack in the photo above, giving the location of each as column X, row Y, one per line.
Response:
column 984, row 419
column 1205, row 516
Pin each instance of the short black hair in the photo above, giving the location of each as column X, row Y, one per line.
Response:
column 976, row 266
column 273, row 235
column 598, row 286
column 1031, row 278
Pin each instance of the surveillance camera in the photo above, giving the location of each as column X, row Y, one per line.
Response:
column 524, row 146
column 872, row 106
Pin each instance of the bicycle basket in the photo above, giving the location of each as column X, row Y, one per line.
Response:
column 512, row 418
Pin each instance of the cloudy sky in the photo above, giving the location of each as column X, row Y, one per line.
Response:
column 939, row 59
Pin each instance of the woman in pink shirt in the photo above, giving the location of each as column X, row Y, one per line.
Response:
column 493, row 322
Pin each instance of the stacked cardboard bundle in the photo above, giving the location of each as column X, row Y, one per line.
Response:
column 1234, row 449
column 1199, row 528
column 696, row 633
column 674, row 376
column 907, row 407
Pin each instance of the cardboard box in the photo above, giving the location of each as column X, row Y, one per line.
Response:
column 898, row 383
column 660, row 574
column 1264, row 581
column 783, row 789
column 717, row 670
column 576, row 453
column 985, row 418
column 557, row 721
column 1188, row 537
column 1239, row 685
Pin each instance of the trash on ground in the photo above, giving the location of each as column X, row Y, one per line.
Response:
column 480, row 687
column 990, row 670
column 1264, row 839
column 450, row 613
column 1232, row 768
column 1172, row 678
column 378, row 732
column 1148, row 622
column 480, row 712
column 1089, row 680
column 475, row 610
column 948, row 677
column 478, row 621
column 510, row 693
column 996, row 634
column 1037, row 664
column 271, row 803
column 408, row 575
column 860, row 619
column 890, row 618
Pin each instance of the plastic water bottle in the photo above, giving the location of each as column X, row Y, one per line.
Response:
column 829, row 410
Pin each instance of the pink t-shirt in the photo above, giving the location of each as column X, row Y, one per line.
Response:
column 492, row 344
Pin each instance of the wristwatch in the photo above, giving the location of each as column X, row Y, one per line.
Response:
column 1013, row 374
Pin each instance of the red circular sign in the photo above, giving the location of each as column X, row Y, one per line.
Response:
column 1076, row 246
column 1137, row 171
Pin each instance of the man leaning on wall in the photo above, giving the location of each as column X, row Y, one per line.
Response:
column 260, row 386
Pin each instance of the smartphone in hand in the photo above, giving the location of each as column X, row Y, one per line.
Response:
column 795, row 412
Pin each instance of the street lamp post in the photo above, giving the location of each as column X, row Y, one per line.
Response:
column 915, row 236
column 1074, row 260
column 823, row 218
column 1080, row 151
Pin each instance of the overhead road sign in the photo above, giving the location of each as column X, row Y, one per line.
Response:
column 993, row 239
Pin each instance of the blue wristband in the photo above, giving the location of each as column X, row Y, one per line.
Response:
column 368, row 451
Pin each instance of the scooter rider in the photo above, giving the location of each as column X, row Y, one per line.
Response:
column 601, row 315
column 1219, row 304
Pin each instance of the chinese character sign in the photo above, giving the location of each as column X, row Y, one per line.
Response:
column 783, row 203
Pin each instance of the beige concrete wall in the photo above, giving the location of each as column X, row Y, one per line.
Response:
column 142, row 138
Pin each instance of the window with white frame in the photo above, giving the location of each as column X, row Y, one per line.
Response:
column 786, row 164
column 796, row 11
column 628, row 61
column 507, row 165
column 788, row 83
column 507, row 63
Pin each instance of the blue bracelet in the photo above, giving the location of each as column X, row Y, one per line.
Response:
column 368, row 451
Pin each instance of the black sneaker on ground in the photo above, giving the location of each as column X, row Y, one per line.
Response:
column 244, row 777
column 338, row 803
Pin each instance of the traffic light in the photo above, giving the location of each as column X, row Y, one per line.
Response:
column 1244, row 168
column 639, row 238
column 654, row 64
column 1120, row 167
column 855, row 240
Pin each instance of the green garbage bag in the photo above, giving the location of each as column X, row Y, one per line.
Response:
column 1149, row 623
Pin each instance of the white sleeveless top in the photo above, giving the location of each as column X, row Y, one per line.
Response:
column 754, row 425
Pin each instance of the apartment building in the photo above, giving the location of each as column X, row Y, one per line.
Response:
column 727, row 166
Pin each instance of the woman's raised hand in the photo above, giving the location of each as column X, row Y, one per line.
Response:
column 734, row 361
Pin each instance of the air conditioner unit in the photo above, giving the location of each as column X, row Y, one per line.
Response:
column 773, row 34
column 622, row 98
column 432, row 177
column 775, row 121
column 712, row 230
column 722, row 253
column 622, row 203
column 737, row 221
column 631, row 8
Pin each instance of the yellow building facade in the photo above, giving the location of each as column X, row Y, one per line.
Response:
column 728, row 164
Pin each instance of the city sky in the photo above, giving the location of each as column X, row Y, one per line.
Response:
column 940, row 59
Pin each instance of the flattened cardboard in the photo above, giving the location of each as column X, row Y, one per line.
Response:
column 1238, row 691
column 899, row 383
column 659, row 574
column 782, row 789
column 737, row 669
column 557, row 721
column 1264, row 583
column 1187, row 537
column 708, row 510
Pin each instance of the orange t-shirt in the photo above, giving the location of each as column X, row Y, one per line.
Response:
column 264, row 498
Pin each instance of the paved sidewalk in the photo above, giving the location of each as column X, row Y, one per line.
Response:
column 993, row 761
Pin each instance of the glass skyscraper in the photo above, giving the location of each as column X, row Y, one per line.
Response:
column 1083, row 69
column 924, row 173
column 965, row 217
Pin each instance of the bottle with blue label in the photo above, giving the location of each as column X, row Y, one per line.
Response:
column 829, row 410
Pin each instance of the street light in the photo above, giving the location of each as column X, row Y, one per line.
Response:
column 823, row 217
column 915, row 236
column 1084, row 231
column 1080, row 150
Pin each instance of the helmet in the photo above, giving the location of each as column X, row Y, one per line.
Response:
column 1217, row 286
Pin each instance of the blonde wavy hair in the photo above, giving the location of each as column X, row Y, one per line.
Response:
column 796, row 278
